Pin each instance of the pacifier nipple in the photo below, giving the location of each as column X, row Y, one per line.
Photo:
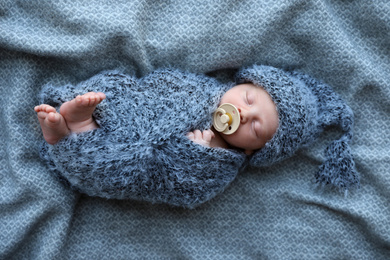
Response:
column 226, row 119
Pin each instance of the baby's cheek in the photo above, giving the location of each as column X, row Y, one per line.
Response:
column 239, row 139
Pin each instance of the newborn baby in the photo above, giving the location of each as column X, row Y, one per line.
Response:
column 258, row 119
column 152, row 138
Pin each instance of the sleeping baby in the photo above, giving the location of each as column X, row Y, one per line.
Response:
column 181, row 138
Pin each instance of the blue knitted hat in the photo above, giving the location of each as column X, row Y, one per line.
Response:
column 305, row 107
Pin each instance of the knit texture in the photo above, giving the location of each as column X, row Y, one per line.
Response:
column 141, row 150
column 306, row 107
column 269, row 213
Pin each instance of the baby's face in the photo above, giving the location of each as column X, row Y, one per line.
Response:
column 259, row 117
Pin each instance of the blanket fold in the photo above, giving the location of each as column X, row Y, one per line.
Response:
column 275, row 213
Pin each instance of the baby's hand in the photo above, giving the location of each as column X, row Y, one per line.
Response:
column 201, row 138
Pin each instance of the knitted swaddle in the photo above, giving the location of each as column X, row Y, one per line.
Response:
column 141, row 150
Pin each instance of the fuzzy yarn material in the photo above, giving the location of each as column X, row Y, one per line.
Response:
column 141, row 150
column 306, row 107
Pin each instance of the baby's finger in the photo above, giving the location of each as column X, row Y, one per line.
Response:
column 101, row 95
column 198, row 135
column 191, row 136
column 208, row 135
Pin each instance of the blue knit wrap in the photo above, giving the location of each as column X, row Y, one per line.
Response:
column 141, row 150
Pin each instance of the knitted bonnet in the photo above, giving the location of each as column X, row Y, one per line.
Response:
column 305, row 107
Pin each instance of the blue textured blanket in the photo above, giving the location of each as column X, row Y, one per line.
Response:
column 272, row 213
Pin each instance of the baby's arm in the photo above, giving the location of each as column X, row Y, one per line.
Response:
column 208, row 138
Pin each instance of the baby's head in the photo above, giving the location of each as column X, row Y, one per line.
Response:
column 284, row 111
column 259, row 118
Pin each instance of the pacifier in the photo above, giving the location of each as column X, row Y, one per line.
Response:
column 226, row 119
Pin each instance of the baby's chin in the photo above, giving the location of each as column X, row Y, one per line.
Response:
column 232, row 142
column 249, row 152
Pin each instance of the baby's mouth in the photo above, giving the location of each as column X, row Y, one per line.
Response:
column 226, row 119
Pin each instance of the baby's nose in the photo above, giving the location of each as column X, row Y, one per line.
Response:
column 243, row 116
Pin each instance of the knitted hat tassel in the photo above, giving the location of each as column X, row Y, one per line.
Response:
column 338, row 169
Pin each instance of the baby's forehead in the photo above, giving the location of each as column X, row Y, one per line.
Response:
column 245, row 85
column 252, row 87
column 249, row 85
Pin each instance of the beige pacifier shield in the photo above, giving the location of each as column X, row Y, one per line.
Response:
column 226, row 119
